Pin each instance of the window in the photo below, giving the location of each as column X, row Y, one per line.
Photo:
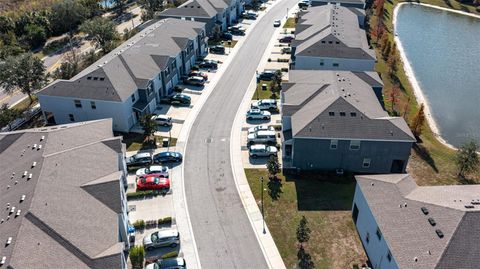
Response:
column 321, row 63
column 331, row 113
column 379, row 233
column 342, row 114
column 335, row 64
column 367, row 237
column 323, row 41
column 133, row 98
column 353, row 114
column 389, row 256
column 102, row 79
column 366, row 162
column 337, row 42
column 78, row 103
column 355, row 145
column 93, row 105
column 71, row 117
column 333, row 144
column 89, row 78
column 330, row 42
column 167, row 71
column 95, row 78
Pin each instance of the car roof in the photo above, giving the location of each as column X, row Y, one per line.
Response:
column 156, row 167
column 160, row 117
column 196, row 77
column 257, row 147
column 172, row 261
column 254, row 110
column 265, row 132
column 166, row 232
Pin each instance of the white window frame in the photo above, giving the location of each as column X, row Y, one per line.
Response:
column 333, row 144
column 354, row 144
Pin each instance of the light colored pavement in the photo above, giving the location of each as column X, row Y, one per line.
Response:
column 223, row 231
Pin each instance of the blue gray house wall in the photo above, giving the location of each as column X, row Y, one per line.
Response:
column 315, row 154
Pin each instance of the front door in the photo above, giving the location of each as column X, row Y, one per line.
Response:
column 397, row 166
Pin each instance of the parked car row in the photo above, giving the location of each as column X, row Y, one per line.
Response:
column 146, row 158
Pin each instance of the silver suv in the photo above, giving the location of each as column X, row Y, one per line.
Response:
column 261, row 137
column 162, row 120
column 162, row 238
column 262, row 151
column 265, row 104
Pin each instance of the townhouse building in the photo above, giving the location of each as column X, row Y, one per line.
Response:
column 129, row 81
column 403, row 225
column 63, row 193
column 329, row 37
column 335, row 120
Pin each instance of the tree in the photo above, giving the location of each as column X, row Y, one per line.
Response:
column 137, row 255
column 277, row 80
column 66, row 15
column 92, row 7
column 304, row 259
column 303, row 232
column 392, row 64
column 35, row 35
column 273, row 167
column 418, row 121
column 9, row 45
column 216, row 31
column 386, row 49
column 467, row 158
column 149, row 126
column 393, row 96
column 24, row 72
column 6, row 24
column 69, row 68
column 102, row 31
column 8, row 115
column 120, row 6
column 150, row 7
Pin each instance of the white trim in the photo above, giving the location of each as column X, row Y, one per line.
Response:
column 350, row 139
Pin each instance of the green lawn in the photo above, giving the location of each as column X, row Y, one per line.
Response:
column 290, row 23
column 136, row 142
column 261, row 94
column 431, row 163
column 326, row 202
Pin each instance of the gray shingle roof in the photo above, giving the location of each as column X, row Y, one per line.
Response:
column 311, row 95
column 69, row 218
column 130, row 66
column 331, row 31
column 407, row 230
column 192, row 8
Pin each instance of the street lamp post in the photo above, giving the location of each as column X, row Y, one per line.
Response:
column 263, row 216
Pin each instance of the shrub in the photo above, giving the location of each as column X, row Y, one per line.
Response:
column 284, row 69
column 139, row 224
column 282, row 60
column 172, row 254
column 137, row 255
column 167, row 220
column 178, row 89
column 269, row 60
column 195, row 68
column 139, row 194
column 355, row 266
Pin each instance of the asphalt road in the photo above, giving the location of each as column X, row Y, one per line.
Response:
column 222, row 231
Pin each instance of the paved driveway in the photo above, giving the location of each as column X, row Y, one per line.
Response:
column 223, row 233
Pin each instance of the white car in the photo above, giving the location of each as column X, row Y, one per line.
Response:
column 265, row 104
column 257, row 114
column 262, row 137
column 260, row 128
column 153, row 169
column 161, row 238
column 277, row 23
column 262, row 151
column 162, row 120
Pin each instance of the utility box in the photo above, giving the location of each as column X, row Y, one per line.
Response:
column 264, row 87
column 165, row 142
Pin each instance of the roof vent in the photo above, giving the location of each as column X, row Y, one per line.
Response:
column 34, row 146
column 439, row 233
column 25, row 173
column 3, row 261
column 22, row 198
column 372, row 184
column 12, row 210
column 432, row 221
column 29, row 176
column 469, row 206
column 425, row 210
column 415, row 259
column 34, row 164
column 9, row 241
column 18, row 213
column 39, row 147
column 43, row 137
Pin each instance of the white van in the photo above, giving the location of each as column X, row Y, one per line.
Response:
column 262, row 137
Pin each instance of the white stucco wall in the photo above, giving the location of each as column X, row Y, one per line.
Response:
column 313, row 63
column 376, row 249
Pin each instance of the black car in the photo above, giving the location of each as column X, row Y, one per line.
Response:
column 139, row 159
column 169, row 263
column 167, row 157
column 237, row 32
column 226, row 36
column 266, row 75
column 208, row 64
column 218, row 49
column 179, row 98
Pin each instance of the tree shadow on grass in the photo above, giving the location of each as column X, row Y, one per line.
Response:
column 275, row 188
column 425, row 155
column 467, row 181
column 323, row 191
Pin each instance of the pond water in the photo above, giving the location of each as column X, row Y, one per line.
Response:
column 443, row 49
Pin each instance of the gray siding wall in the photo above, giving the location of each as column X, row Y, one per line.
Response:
column 315, row 154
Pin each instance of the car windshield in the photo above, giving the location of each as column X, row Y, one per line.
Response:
column 154, row 237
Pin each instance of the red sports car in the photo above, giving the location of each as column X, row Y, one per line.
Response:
column 153, row 182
